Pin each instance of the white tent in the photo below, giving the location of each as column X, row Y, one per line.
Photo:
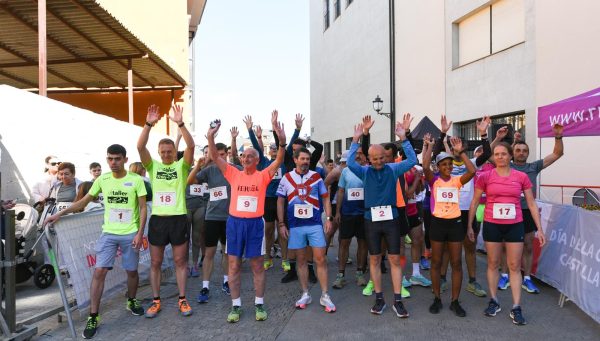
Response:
column 33, row 127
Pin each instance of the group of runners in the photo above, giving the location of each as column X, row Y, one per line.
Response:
column 378, row 194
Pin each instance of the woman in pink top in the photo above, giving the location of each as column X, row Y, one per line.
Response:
column 503, row 224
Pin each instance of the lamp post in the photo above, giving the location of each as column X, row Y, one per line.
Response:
column 378, row 106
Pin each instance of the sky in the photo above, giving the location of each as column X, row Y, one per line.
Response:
column 252, row 56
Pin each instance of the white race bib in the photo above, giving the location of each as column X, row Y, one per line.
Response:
column 356, row 194
column 196, row 190
column 218, row 193
column 447, row 194
column 381, row 213
column 247, row 203
column 504, row 211
column 164, row 199
column 63, row 205
column 303, row 211
column 467, row 187
column 120, row 215
column 278, row 174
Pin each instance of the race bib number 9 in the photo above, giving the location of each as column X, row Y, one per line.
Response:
column 447, row 194
column 356, row 194
column 247, row 204
column 63, row 206
column 303, row 211
column 381, row 213
column 218, row 193
column 120, row 215
column 504, row 211
column 165, row 199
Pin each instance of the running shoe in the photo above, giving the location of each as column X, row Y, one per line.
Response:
column 349, row 261
column 153, row 310
column 361, row 280
column 260, row 312
column 303, row 301
column 436, row 306
column 311, row 275
column 203, row 295
column 407, row 240
column 339, row 282
column 457, row 309
column 493, row 308
column 476, row 289
column 503, row 282
column 225, row 288
column 184, row 307
column 193, row 271
column 135, row 307
column 420, row 280
column 368, row 290
column 406, row 283
column 91, row 327
column 517, row 316
column 234, row 314
column 404, row 293
column 530, row 287
column 424, row 264
column 378, row 307
column 285, row 265
column 268, row 264
column 399, row 309
column 289, row 276
column 326, row 302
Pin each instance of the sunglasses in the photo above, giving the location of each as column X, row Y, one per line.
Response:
column 55, row 163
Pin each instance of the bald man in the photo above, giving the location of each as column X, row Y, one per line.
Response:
column 381, row 214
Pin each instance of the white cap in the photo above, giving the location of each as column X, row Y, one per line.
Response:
column 344, row 157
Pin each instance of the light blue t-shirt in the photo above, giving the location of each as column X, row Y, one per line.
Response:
column 353, row 186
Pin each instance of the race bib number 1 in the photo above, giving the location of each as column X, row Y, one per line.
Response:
column 504, row 211
column 447, row 194
column 165, row 199
column 247, row 203
column 356, row 194
column 303, row 211
column 120, row 215
column 218, row 193
column 381, row 213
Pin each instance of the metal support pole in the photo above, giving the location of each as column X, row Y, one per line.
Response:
column 10, row 271
column 42, row 54
column 392, row 72
column 130, row 89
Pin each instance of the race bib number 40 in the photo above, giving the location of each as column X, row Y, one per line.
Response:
column 356, row 194
column 120, row 215
column 247, row 203
column 504, row 211
column 218, row 193
column 165, row 199
column 446, row 194
column 381, row 213
column 303, row 211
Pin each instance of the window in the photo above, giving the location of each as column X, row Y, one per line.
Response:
column 336, row 6
column 325, row 15
column 337, row 149
column 468, row 129
column 327, row 150
column 348, row 142
column 489, row 30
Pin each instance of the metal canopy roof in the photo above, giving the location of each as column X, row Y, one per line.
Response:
column 86, row 48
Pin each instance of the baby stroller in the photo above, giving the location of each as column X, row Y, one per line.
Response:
column 30, row 253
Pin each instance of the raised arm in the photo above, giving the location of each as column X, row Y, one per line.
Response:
column 558, row 146
column 367, row 123
column 259, row 133
column 212, row 148
column 151, row 118
column 234, row 151
column 411, row 157
column 457, row 147
column 315, row 156
column 439, row 143
column 357, row 169
column 272, row 169
column 177, row 118
column 482, row 127
column 427, row 147
column 191, row 179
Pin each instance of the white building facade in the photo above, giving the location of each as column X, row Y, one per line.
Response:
column 464, row 58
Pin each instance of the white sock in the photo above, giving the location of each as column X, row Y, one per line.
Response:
column 526, row 278
column 225, row 279
column 236, row 302
column 205, row 284
column 259, row 300
column 416, row 270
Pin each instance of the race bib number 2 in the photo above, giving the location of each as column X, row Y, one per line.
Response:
column 165, row 199
column 247, row 203
column 381, row 213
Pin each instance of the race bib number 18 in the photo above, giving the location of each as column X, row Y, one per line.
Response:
column 165, row 199
column 247, row 203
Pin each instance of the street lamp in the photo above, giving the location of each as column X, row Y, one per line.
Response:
column 378, row 105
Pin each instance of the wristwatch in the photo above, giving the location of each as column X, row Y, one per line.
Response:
column 330, row 218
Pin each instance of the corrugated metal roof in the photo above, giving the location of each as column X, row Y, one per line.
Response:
column 82, row 41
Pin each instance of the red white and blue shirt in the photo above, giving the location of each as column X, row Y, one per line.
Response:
column 304, row 193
